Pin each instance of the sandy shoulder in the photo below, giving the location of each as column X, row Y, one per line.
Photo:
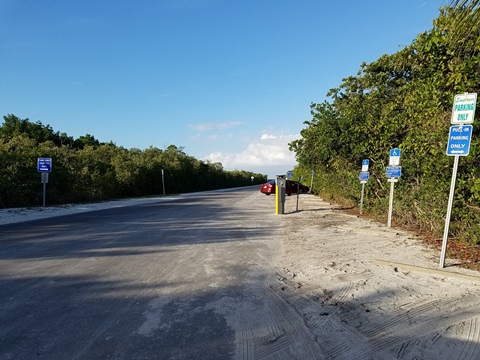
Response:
column 342, row 274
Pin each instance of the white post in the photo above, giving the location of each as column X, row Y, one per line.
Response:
column 390, row 206
column 449, row 212
column 298, row 194
column 311, row 182
column 361, row 198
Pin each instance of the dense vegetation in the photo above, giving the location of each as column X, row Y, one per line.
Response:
column 84, row 169
column 403, row 100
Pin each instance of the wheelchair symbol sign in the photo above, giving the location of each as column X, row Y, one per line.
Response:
column 394, row 157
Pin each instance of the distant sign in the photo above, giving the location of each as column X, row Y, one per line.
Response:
column 393, row 171
column 44, row 164
column 365, row 165
column 290, row 174
column 459, row 140
column 364, row 175
column 463, row 111
column 394, row 157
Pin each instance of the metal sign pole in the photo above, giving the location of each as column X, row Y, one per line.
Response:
column 298, row 188
column 393, row 172
column 44, row 193
column 311, row 182
column 163, row 183
column 459, row 139
column 44, row 177
column 449, row 212
column 390, row 206
column 298, row 194
column 44, row 166
column 361, row 198
column 364, row 175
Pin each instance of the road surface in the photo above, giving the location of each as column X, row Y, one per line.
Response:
column 181, row 279
column 219, row 276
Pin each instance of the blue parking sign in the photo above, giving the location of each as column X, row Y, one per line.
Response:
column 44, row 164
column 393, row 172
column 364, row 175
column 459, row 140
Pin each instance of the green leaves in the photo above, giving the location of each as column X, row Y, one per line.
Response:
column 402, row 100
column 85, row 169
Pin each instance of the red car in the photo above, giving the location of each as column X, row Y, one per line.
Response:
column 290, row 188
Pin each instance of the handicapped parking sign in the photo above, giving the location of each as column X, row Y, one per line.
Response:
column 394, row 157
column 365, row 164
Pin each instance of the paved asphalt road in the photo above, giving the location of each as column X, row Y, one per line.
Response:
column 180, row 279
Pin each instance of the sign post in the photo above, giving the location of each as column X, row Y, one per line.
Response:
column 163, row 182
column 364, row 175
column 393, row 173
column 298, row 189
column 44, row 166
column 459, row 139
column 311, row 182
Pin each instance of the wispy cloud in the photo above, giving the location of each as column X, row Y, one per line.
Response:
column 202, row 127
column 211, row 137
column 162, row 95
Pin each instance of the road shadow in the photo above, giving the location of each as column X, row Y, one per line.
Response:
column 135, row 230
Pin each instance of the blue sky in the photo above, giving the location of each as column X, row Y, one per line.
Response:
column 228, row 80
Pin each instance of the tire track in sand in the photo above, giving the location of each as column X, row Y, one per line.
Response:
column 471, row 348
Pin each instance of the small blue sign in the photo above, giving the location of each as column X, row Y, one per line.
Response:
column 365, row 165
column 44, row 164
column 290, row 174
column 393, row 171
column 395, row 152
column 364, row 175
column 459, row 140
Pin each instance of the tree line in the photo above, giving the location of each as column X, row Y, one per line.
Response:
column 403, row 100
column 85, row 169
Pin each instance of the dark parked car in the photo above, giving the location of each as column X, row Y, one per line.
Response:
column 290, row 188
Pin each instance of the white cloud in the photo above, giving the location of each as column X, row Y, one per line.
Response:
column 268, row 136
column 268, row 152
column 199, row 137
